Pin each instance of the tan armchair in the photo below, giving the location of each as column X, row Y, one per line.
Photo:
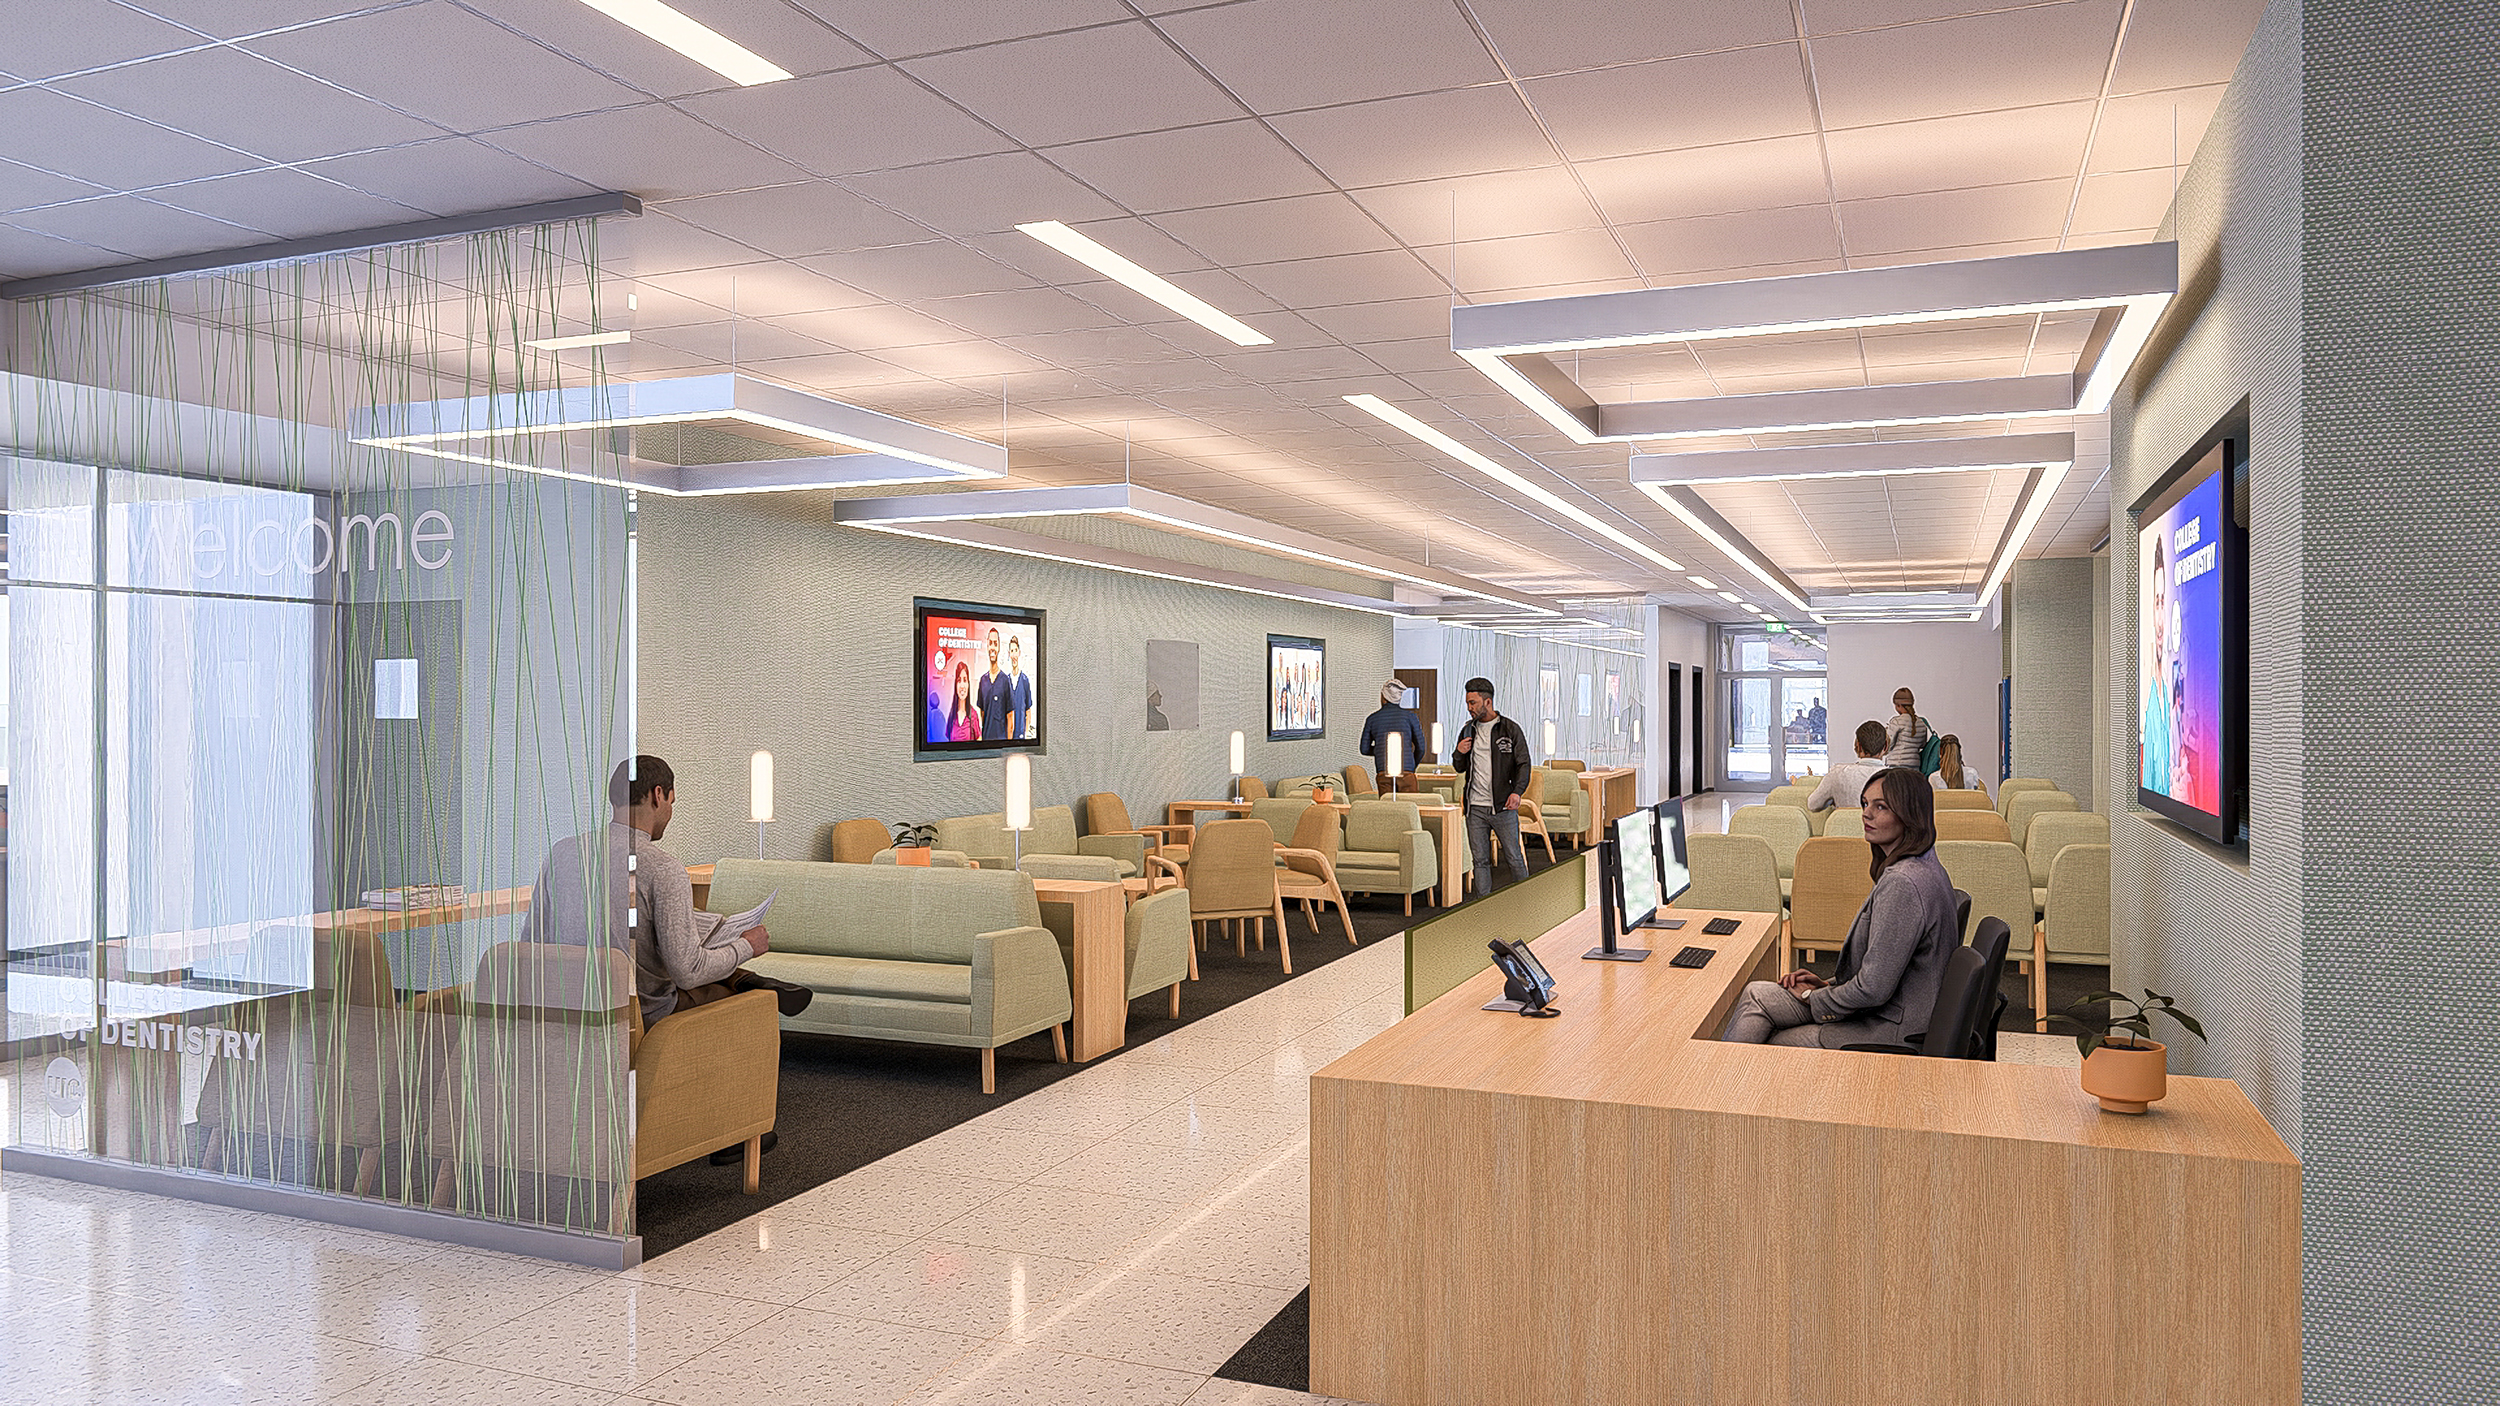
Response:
column 1107, row 814
column 1358, row 781
column 1249, row 788
column 1531, row 825
column 1231, row 878
column 1310, row 867
column 1832, row 882
column 858, row 841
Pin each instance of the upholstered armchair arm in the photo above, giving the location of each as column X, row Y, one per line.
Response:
column 1129, row 847
column 1418, row 863
column 989, row 861
column 1310, row 861
column 706, row 1078
column 1019, row 983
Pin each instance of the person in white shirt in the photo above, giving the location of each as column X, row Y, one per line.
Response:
column 1848, row 780
column 1905, row 737
column 1950, row 774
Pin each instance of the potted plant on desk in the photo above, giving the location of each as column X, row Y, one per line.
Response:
column 2127, row 1072
column 1324, row 790
column 912, row 842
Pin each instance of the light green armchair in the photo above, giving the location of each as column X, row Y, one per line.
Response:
column 896, row 952
column 1387, row 850
column 1439, row 777
column 1565, row 804
column 986, row 838
column 1160, row 953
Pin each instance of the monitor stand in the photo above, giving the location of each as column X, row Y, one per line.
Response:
column 1616, row 954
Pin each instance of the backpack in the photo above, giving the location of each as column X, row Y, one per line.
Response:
column 1933, row 752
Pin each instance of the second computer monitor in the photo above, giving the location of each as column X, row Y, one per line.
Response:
column 1674, row 876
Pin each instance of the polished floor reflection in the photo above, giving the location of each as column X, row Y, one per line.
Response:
column 1112, row 1238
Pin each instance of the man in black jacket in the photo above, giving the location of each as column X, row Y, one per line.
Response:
column 1492, row 753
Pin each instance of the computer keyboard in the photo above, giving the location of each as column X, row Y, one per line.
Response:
column 1693, row 957
column 1719, row 927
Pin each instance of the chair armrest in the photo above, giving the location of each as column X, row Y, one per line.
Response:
column 1167, row 831
column 1020, row 983
column 989, row 861
column 1417, row 868
column 705, row 1078
column 1179, row 875
column 1307, row 861
column 1128, row 848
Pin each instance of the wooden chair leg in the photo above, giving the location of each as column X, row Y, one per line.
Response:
column 1350, row 939
column 1284, row 942
column 1193, row 962
column 1310, row 910
column 989, row 1071
column 755, row 1164
column 368, row 1170
column 2039, row 981
column 1176, row 998
column 1410, row 905
column 442, row 1184
column 1241, row 939
column 1788, row 947
column 1059, row 1043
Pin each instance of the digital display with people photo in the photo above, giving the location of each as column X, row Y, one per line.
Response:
column 1297, row 694
column 980, row 685
column 2180, row 643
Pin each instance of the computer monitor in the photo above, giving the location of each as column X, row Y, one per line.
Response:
column 1636, row 857
column 1674, row 874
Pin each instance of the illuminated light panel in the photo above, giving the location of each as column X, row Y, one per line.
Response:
column 586, row 339
column 1702, row 582
column 1975, row 454
column 2035, row 502
column 2130, row 285
column 1665, row 496
column 1135, row 276
column 697, row 41
column 1374, row 405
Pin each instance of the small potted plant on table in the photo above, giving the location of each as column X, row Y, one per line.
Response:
column 2127, row 1072
column 912, row 842
column 1324, row 789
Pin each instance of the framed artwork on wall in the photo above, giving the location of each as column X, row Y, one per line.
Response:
column 1297, row 693
column 1171, row 686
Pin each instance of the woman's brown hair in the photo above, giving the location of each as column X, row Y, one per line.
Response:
column 1949, row 761
column 1913, row 803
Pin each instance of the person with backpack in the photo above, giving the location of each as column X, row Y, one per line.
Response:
column 1913, row 743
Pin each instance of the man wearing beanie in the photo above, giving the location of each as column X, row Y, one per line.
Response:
column 1392, row 717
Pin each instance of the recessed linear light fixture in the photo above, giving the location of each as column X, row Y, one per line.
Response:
column 1714, row 529
column 1912, row 456
column 689, row 436
column 697, row 41
column 586, row 339
column 1374, row 405
column 2128, row 285
column 1702, row 582
column 1122, row 270
column 1177, row 514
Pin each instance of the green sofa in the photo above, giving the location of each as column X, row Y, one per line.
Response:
column 986, row 838
column 896, row 952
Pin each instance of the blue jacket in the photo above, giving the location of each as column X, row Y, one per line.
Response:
column 1386, row 719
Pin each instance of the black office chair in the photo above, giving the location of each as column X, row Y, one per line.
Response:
column 1961, row 911
column 1990, row 943
column 1959, row 996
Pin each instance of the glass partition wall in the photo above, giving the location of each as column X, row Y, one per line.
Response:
column 1776, row 692
column 293, row 722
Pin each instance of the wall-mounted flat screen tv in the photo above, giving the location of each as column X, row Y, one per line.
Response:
column 1297, row 687
column 979, row 685
column 2192, row 639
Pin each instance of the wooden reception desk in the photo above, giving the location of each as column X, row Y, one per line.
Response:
column 1611, row 1207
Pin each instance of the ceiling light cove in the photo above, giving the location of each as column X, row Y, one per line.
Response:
column 1374, row 405
column 586, row 339
column 697, row 41
column 1113, row 266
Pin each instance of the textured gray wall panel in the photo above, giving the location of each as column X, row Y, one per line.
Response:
column 2049, row 635
column 764, row 625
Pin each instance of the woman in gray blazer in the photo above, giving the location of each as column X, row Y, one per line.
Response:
column 1893, row 961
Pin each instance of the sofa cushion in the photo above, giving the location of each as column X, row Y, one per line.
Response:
column 1053, row 832
column 868, row 976
column 887, row 912
column 1380, row 825
column 1367, row 860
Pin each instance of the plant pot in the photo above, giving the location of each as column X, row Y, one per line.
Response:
column 914, row 855
column 2127, row 1080
column 1324, row 795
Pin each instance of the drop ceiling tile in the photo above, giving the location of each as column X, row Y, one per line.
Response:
column 1020, row 311
column 234, row 98
column 1428, row 137
column 788, row 37
column 1798, row 234
column 1223, row 163
column 759, row 288
column 1744, row 95
column 837, row 124
column 1532, row 261
column 2147, row 130
column 1105, row 346
column 1496, row 206
column 729, row 343
column 1999, row 337
column 658, row 242
column 1549, row 36
column 47, row 38
column 449, row 176
column 961, row 361
column 97, row 144
column 1953, row 253
column 1829, row 353
column 1268, row 368
column 909, row 273
column 1709, row 180
column 1344, row 278
column 2107, row 238
column 1269, row 231
column 228, row 19
column 287, row 204
column 984, row 194
column 1415, row 354
column 841, row 374
column 1277, row 55
column 1076, row 86
column 26, row 254
column 1386, row 321
column 141, row 229
column 797, row 220
column 1954, row 153
column 2129, row 200
column 653, row 150
column 876, row 327
column 473, row 74
column 2182, row 43
column 1958, row 218
column 22, row 186
column 902, row 28
column 1976, row 63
